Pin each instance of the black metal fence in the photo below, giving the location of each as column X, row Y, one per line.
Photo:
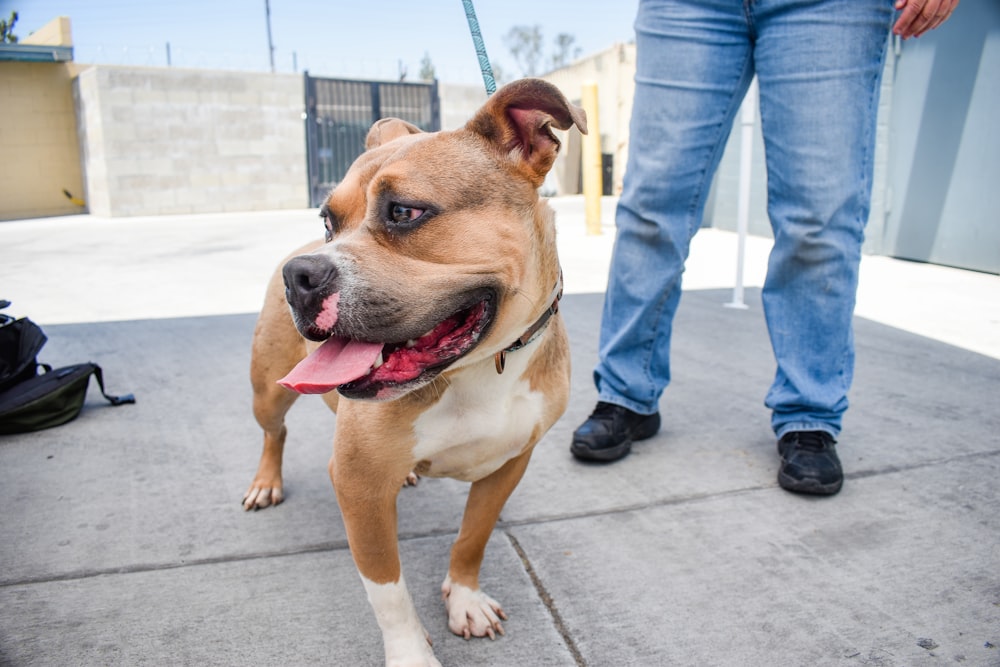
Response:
column 339, row 113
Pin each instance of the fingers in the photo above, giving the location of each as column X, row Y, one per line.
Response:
column 919, row 16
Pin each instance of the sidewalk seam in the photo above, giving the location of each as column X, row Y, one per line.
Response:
column 547, row 600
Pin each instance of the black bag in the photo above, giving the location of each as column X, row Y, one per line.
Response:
column 30, row 401
column 20, row 341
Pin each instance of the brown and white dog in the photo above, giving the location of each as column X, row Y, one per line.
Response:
column 431, row 309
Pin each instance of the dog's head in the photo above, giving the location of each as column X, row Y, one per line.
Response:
column 438, row 249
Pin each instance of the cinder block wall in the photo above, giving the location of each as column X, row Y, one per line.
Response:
column 161, row 141
column 38, row 140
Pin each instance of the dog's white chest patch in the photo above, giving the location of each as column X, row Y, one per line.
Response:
column 482, row 421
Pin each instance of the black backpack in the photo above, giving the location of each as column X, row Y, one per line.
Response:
column 29, row 400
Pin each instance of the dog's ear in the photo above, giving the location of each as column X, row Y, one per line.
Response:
column 387, row 129
column 519, row 118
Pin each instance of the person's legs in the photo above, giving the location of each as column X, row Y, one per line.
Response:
column 819, row 65
column 693, row 67
column 694, row 64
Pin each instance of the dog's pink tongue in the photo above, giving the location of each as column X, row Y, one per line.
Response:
column 337, row 361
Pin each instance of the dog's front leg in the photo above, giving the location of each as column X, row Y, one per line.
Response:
column 470, row 611
column 368, row 505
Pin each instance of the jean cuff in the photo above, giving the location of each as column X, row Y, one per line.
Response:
column 638, row 408
column 807, row 426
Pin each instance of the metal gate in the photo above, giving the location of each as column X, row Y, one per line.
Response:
column 339, row 113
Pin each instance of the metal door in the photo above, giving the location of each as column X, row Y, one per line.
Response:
column 339, row 113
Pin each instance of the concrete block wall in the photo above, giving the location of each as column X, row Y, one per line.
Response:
column 158, row 141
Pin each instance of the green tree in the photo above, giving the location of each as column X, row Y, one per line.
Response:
column 427, row 72
column 7, row 35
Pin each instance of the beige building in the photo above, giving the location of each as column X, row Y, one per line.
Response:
column 38, row 126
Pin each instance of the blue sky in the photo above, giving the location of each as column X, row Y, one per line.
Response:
column 349, row 38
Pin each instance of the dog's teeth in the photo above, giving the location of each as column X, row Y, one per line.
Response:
column 410, row 343
column 378, row 361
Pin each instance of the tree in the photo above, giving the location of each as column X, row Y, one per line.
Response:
column 565, row 53
column 525, row 44
column 427, row 72
column 7, row 35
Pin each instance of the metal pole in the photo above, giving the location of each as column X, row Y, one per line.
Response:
column 270, row 44
column 591, row 159
column 747, row 118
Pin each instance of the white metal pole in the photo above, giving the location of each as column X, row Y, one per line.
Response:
column 748, row 112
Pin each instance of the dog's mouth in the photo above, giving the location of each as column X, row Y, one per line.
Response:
column 374, row 370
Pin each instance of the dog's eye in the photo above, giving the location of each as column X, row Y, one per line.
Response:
column 404, row 215
column 328, row 222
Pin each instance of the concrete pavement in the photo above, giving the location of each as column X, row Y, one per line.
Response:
column 123, row 541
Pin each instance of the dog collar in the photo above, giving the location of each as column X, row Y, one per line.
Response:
column 532, row 332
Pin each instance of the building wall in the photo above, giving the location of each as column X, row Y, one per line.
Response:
column 169, row 141
column 459, row 103
column 944, row 167
column 613, row 70
column 38, row 138
column 56, row 32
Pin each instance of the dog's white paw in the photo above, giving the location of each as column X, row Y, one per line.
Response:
column 258, row 497
column 471, row 613
column 412, row 479
column 403, row 653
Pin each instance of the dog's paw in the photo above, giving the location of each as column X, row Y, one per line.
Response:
column 411, row 480
column 471, row 613
column 261, row 495
column 406, row 654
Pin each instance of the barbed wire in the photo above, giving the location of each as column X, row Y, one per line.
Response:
column 285, row 63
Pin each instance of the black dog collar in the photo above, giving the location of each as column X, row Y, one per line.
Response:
column 500, row 358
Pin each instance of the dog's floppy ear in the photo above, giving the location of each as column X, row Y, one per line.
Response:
column 386, row 129
column 518, row 119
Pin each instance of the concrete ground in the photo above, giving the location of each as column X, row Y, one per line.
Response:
column 124, row 543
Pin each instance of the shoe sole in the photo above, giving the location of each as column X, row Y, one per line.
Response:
column 808, row 486
column 607, row 455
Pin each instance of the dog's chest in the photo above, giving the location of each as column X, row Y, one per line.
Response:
column 482, row 421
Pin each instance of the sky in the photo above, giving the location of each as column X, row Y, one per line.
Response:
column 364, row 39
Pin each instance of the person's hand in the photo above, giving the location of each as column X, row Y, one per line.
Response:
column 919, row 16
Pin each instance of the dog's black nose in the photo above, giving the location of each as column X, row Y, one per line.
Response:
column 308, row 280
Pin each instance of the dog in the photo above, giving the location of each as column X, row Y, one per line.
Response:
column 428, row 320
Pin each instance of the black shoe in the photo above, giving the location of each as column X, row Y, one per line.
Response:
column 609, row 432
column 809, row 463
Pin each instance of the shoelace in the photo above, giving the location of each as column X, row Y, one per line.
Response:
column 814, row 441
column 606, row 409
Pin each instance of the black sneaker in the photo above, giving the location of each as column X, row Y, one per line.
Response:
column 609, row 432
column 809, row 463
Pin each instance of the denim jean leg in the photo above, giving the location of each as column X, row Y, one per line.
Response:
column 693, row 67
column 819, row 65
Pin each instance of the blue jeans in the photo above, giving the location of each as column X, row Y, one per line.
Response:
column 819, row 66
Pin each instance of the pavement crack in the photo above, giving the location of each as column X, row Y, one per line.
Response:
column 547, row 600
column 138, row 568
